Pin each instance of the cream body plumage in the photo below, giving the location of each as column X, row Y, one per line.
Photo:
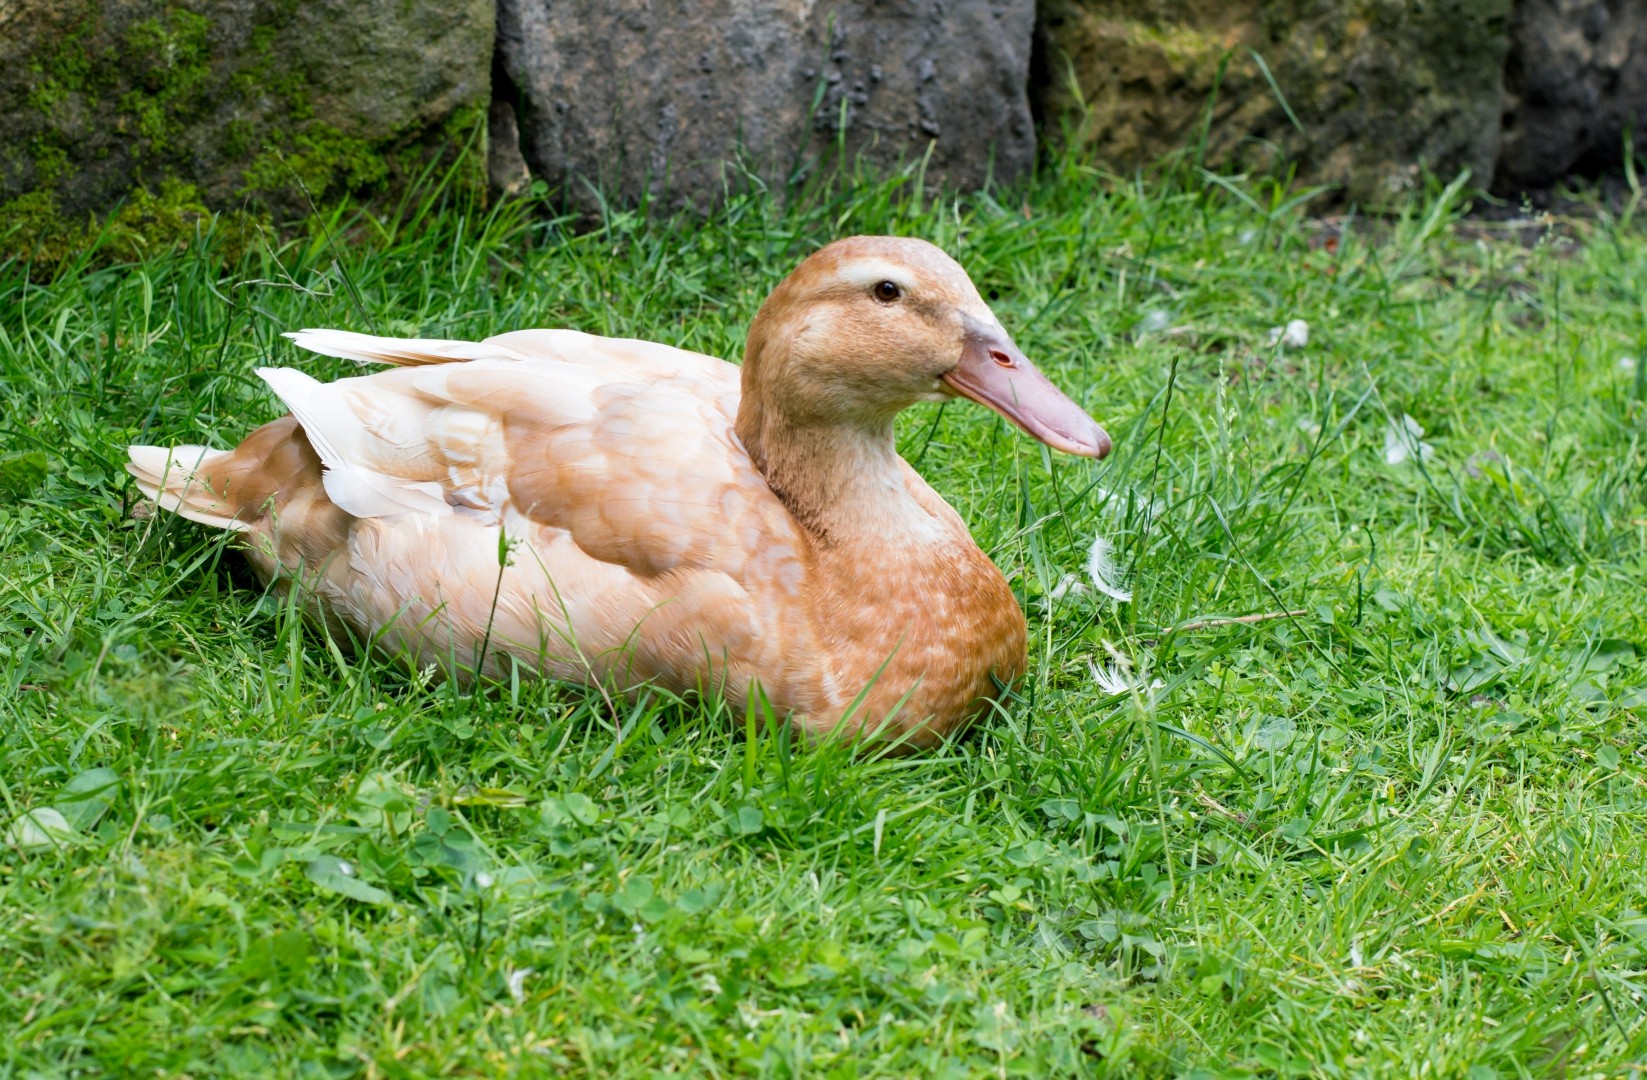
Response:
column 617, row 512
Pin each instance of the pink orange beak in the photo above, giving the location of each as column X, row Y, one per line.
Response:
column 995, row 374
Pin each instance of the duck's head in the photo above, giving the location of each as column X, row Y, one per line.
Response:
column 867, row 326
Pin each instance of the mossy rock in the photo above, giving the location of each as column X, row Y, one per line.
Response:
column 1377, row 90
column 34, row 229
column 257, row 106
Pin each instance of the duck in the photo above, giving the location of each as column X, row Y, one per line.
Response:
column 620, row 513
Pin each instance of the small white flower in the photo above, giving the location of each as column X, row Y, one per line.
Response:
column 1626, row 363
column 483, row 879
column 1295, row 335
column 1246, row 236
column 1402, row 441
column 516, row 981
column 1356, row 959
column 1308, row 426
column 1154, row 322
column 1101, row 569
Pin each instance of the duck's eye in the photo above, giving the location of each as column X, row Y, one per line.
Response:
column 887, row 291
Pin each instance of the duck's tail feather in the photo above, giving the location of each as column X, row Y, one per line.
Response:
column 337, row 435
column 171, row 476
column 401, row 352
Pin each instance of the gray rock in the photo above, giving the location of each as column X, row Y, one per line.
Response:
column 651, row 98
column 239, row 99
column 1575, row 79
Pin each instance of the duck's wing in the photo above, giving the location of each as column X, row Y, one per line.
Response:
column 398, row 352
column 616, row 357
column 628, row 445
column 614, row 462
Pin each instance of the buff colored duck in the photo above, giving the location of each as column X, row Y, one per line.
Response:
column 617, row 511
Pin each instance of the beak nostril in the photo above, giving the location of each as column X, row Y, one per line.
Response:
column 1002, row 358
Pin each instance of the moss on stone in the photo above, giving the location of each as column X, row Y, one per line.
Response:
column 125, row 104
column 172, row 62
column 1373, row 91
column 68, row 68
column 51, row 161
column 147, row 223
column 1179, row 44
column 32, row 227
column 320, row 158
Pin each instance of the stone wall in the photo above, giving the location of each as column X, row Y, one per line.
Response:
column 263, row 105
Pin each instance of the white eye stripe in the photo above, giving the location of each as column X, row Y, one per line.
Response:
column 867, row 273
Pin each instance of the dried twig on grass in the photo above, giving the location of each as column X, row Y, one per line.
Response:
column 1244, row 620
column 1219, row 808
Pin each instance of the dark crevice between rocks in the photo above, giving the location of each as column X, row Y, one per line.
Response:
column 506, row 170
column 1042, row 58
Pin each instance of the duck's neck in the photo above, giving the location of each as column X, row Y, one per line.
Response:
column 904, row 605
column 843, row 482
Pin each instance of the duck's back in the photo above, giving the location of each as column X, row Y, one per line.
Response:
column 578, row 504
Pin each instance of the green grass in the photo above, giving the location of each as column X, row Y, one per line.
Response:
column 1403, row 832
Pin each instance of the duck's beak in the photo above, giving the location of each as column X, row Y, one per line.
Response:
column 995, row 374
